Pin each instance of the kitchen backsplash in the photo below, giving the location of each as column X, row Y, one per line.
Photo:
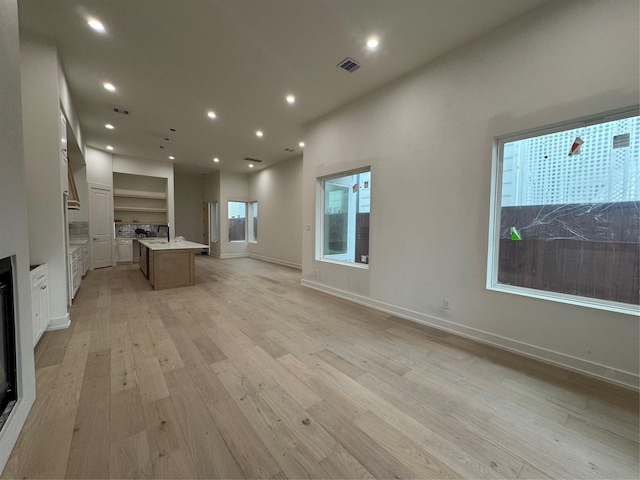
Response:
column 78, row 231
column 128, row 230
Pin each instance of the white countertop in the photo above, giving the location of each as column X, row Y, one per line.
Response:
column 173, row 245
column 74, row 248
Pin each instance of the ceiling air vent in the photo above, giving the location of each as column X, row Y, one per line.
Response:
column 349, row 64
column 249, row 159
column 121, row 111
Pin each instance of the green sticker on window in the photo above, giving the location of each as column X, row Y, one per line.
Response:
column 514, row 234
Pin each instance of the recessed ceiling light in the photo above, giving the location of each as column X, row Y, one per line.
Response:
column 96, row 25
column 216, row 159
column 171, row 157
column 109, row 126
column 251, row 165
column 301, row 144
column 211, row 114
column 259, row 133
column 109, row 86
column 372, row 43
column 291, row 99
column 109, row 147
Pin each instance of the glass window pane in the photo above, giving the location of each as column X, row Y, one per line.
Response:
column 237, row 216
column 570, row 211
column 345, row 217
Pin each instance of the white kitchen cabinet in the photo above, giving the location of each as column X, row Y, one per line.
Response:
column 39, row 301
column 86, row 259
column 75, row 269
column 124, row 250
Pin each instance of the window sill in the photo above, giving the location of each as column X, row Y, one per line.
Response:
column 362, row 266
column 626, row 309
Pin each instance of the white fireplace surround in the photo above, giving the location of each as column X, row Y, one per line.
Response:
column 13, row 212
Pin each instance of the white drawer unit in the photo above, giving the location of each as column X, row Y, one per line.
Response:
column 75, row 269
column 124, row 250
column 39, row 301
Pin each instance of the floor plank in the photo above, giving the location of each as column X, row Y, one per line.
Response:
column 249, row 375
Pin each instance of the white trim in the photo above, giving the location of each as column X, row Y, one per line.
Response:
column 617, row 307
column 14, row 425
column 496, row 207
column 364, row 266
column 59, row 323
column 622, row 378
column 278, row 261
column 233, row 255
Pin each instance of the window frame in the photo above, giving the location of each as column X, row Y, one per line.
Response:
column 320, row 220
column 496, row 207
column 214, row 222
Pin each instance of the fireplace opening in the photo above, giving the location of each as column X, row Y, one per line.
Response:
column 8, row 375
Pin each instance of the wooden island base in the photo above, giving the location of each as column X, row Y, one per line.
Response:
column 169, row 267
column 172, row 269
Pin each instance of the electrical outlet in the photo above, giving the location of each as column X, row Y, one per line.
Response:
column 445, row 304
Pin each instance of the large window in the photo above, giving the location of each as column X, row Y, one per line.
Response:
column 253, row 221
column 344, row 222
column 566, row 216
column 237, row 217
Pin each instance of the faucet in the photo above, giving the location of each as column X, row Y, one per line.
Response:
column 168, row 239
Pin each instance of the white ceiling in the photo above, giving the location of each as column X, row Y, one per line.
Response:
column 173, row 60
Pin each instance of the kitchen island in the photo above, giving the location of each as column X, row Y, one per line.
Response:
column 169, row 264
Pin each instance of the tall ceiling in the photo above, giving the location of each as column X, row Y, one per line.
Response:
column 172, row 61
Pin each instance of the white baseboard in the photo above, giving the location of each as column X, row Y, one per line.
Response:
column 619, row 377
column 233, row 255
column 59, row 323
column 278, row 261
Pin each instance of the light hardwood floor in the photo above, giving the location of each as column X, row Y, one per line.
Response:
column 247, row 374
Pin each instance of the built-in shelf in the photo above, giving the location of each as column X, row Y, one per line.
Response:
column 140, row 199
column 140, row 209
column 147, row 196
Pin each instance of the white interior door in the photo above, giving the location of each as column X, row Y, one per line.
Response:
column 100, row 225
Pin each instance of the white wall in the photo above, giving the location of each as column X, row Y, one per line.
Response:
column 151, row 168
column 13, row 218
column 188, row 205
column 47, row 225
column 278, row 191
column 428, row 139
column 99, row 167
